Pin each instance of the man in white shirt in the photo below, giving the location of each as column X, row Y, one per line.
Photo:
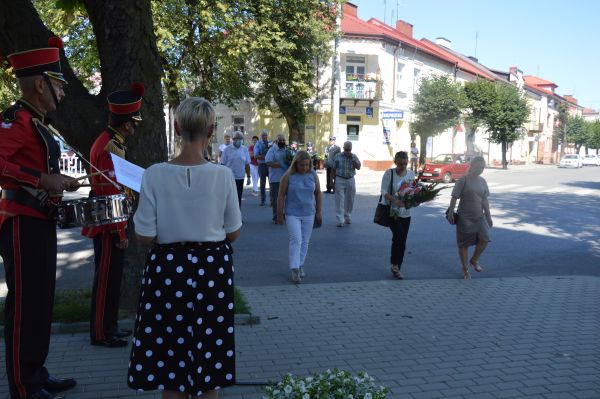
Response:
column 414, row 156
column 237, row 158
column 222, row 146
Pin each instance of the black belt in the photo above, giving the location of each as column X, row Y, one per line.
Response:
column 342, row 177
column 22, row 197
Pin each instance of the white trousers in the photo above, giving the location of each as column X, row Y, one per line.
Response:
column 345, row 190
column 254, row 174
column 299, row 229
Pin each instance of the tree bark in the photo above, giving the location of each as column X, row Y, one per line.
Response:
column 295, row 129
column 504, row 149
column 128, row 53
column 423, row 150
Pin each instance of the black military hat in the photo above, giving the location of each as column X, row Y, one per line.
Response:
column 127, row 103
column 41, row 61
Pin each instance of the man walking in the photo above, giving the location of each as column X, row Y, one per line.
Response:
column 260, row 152
column 275, row 159
column 31, row 189
column 332, row 150
column 237, row 158
column 110, row 240
column 345, row 166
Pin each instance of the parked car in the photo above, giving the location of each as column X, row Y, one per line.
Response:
column 445, row 167
column 571, row 161
column 591, row 160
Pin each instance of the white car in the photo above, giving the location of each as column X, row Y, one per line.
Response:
column 591, row 160
column 571, row 161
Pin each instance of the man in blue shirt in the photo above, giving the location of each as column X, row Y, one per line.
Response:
column 260, row 151
column 275, row 160
column 345, row 165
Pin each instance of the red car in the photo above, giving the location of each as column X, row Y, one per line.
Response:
column 445, row 167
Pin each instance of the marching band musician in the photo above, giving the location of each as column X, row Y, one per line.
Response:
column 31, row 188
column 110, row 240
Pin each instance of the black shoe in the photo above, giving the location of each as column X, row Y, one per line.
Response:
column 111, row 343
column 55, row 385
column 123, row 333
column 41, row 394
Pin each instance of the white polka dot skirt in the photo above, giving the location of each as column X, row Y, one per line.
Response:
column 183, row 338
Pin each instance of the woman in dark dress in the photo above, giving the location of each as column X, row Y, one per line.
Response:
column 474, row 222
column 188, row 211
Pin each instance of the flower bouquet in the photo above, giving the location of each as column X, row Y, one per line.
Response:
column 331, row 384
column 414, row 193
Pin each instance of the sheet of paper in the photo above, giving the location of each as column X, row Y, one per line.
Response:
column 127, row 174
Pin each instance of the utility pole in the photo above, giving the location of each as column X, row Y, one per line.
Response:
column 476, row 39
column 384, row 10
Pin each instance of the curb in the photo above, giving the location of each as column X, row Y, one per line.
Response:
column 127, row 324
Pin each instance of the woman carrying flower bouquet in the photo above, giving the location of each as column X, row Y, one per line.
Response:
column 473, row 225
column 400, row 222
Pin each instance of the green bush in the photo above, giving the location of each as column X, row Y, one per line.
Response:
column 71, row 306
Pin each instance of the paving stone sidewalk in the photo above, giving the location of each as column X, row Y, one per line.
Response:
column 485, row 338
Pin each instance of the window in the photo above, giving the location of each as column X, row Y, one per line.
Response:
column 355, row 67
column 238, row 124
column 399, row 70
column 416, row 78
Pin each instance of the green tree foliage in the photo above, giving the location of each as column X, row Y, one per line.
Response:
column 502, row 111
column 437, row 106
column 577, row 132
column 594, row 135
column 289, row 38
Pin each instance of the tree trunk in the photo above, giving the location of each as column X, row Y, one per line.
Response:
column 295, row 128
column 128, row 53
column 470, row 139
column 504, row 149
column 423, row 150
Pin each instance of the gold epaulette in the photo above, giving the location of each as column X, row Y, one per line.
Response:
column 116, row 149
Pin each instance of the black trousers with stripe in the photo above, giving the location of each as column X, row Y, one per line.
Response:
column 28, row 248
column 108, row 260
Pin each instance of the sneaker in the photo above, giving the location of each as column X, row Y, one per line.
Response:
column 340, row 225
column 301, row 272
column 347, row 221
column 255, row 193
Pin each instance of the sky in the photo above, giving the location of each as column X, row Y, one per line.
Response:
column 555, row 40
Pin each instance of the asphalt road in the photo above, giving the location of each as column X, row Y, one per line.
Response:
column 546, row 222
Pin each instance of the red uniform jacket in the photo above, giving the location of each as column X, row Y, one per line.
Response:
column 109, row 141
column 27, row 149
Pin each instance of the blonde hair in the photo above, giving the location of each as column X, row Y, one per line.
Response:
column 299, row 157
column 194, row 117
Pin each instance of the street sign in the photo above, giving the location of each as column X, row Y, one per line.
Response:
column 393, row 114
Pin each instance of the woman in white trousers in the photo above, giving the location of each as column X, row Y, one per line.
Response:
column 299, row 204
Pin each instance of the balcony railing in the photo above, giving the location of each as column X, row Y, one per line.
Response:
column 360, row 77
column 535, row 127
column 360, row 94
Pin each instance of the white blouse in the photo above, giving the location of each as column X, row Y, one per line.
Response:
column 187, row 203
column 409, row 177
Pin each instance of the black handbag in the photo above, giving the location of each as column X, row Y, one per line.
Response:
column 454, row 214
column 382, row 212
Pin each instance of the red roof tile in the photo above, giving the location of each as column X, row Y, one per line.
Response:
column 536, row 81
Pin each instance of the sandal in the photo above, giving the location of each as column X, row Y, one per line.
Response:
column 466, row 274
column 296, row 276
column 395, row 269
column 476, row 266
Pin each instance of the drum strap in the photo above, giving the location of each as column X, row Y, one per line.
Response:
column 24, row 198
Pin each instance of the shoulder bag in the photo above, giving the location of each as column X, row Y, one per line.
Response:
column 382, row 212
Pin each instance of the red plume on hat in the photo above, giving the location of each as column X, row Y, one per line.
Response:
column 54, row 41
column 138, row 89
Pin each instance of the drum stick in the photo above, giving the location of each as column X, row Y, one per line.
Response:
column 97, row 184
column 91, row 174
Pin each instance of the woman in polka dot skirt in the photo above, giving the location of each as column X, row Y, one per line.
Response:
column 188, row 211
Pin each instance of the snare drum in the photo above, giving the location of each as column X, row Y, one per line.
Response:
column 95, row 211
